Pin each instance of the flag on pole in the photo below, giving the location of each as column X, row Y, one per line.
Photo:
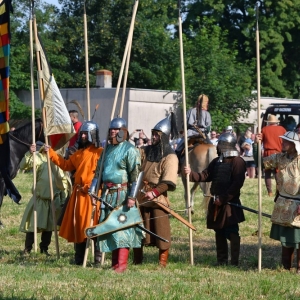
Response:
column 59, row 126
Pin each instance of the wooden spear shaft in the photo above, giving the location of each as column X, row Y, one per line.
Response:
column 259, row 144
column 188, row 193
column 42, row 96
column 87, row 73
column 33, row 131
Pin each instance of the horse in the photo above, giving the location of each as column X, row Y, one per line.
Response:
column 20, row 140
column 200, row 155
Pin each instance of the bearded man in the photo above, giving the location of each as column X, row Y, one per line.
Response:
column 79, row 208
column 160, row 176
column 120, row 172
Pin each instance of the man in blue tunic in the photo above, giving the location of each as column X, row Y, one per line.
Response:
column 120, row 172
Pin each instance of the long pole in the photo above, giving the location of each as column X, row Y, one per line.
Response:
column 33, row 126
column 259, row 144
column 87, row 73
column 125, row 76
column 188, row 194
column 130, row 34
column 42, row 96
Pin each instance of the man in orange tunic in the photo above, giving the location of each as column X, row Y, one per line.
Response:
column 79, row 209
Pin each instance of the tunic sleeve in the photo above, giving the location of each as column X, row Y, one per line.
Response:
column 64, row 164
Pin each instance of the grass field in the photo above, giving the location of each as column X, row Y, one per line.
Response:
column 39, row 277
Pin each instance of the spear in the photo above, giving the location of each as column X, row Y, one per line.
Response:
column 185, row 133
column 259, row 143
column 33, row 125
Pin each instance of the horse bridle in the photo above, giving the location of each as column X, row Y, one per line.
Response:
column 26, row 144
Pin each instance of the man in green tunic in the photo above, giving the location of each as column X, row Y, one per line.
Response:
column 120, row 172
column 61, row 186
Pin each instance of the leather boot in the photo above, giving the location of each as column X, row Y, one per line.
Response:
column 163, row 257
column 29, row 241
column 298, row 262
column 97, row 256
column 222, row 250
column 287, row 257
column 79, row 252
column 122, row 260
column 114, row 259
column 235, row 242
column 138, row 256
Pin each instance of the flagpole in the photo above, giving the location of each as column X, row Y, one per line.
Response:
column 87, row 74
column 185, row 133
column 259, row 143
column 112, row 116
column 42, row 96
column 33, row 127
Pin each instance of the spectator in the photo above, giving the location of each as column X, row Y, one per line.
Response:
column 213, row 138
column 77, row 124
column 272, row 144
column 142, row 136
column 242, row 139
column 248, row 157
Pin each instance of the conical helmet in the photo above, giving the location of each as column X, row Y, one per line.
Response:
column 164, row 126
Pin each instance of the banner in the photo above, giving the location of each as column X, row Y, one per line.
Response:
column 5, row 9
column 59, row 127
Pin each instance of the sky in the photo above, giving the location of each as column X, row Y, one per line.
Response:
column 55, row 2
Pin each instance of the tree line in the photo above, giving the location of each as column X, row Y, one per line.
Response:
column 218, row 41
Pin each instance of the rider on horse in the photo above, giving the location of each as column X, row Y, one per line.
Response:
column 199, row 123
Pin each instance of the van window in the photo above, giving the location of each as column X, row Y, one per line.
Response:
column 287, row 115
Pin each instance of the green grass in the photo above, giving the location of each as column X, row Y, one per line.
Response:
column 39, row 277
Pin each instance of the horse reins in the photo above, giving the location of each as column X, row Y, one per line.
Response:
column 26, row 144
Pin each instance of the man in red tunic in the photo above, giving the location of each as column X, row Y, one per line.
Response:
column 272, row 143
column 77, row 124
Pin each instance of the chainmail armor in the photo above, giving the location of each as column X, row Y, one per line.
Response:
column 221, row 178
column 155, row 153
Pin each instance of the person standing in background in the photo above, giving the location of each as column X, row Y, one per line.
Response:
column 77, row 124
column 272, row 143
column 213, row 138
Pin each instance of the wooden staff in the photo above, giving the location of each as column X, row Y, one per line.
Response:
column 188, row 193
column 42, row 96
column 87, row 74
column 128, row 43
column 259, row 143
column 33, row 127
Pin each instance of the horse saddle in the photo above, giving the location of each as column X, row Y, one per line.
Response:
column 120, row 218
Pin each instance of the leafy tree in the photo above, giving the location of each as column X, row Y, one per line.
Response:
column 279, row 24
column 154, row 61
column 212, row 68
